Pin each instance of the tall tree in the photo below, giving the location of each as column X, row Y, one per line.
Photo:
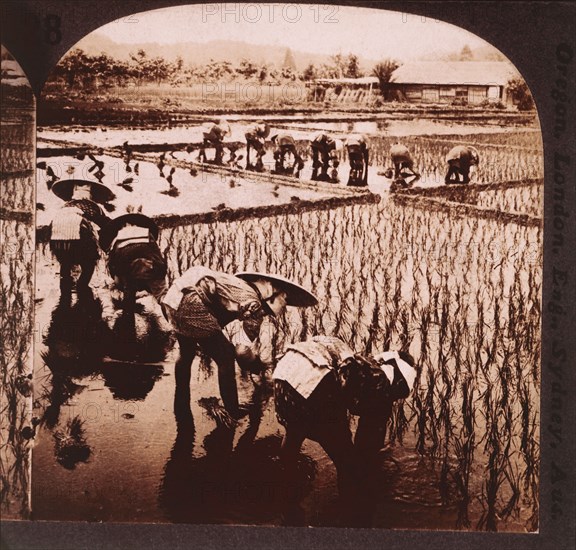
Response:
column 310, row 72
column 138, row 63
column 520, row 93
column 73, row 67
column 466, row 53
column 383, row 72
column 263, row 72
column 352, row 67
column 338, row 64
column 247, row 69
column 289, row 61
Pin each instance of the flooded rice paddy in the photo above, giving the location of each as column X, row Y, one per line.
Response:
column 462, row 293
column 505, row 154
column 119, row 441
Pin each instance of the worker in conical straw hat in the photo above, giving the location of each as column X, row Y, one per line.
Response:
column 201, row 302
column 73, row 238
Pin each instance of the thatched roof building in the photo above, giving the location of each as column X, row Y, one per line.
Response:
column 453, row 81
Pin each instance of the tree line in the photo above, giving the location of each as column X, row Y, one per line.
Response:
column 85, row 71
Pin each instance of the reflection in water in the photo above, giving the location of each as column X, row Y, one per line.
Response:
column 74, row 351
column 77, row 340
column 139, row 336
column 258, row 403
column 244, row 484
column 74, row 337
column 129, row 381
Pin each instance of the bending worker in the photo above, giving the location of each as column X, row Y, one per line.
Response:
column 202, row 302
column 213, row 136
column 460, row 159
column 318, row 382
column 326, row 152
column 256, row 139
column 403, row 165
column 134, row 258
column 357, row 147
column 285, row 145
column 73, row 238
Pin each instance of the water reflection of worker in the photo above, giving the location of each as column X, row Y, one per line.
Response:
column 357, row 148
column 316, row 384
column 201, row 488
column 326, row 152
column 213, row 134
column 134, row 258
column 74, row 342
column 404, row 173
column 201, row 302
column 73, row 238
column 460, row 160
column 130, row 381
column 256, row 135
column 285, row 145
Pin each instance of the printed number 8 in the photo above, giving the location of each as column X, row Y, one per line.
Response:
column 52, row 33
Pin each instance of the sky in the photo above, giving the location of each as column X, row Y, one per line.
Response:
column 325, row 29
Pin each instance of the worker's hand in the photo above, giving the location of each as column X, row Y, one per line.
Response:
column 248, row 359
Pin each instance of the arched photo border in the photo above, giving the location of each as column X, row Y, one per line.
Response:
column 535, row 37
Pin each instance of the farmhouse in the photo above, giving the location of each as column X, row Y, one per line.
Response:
column 452, row 82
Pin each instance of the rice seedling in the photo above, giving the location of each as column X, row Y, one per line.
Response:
column 70, row 444
column 216, row 411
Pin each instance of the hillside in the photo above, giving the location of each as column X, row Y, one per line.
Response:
column 487, row 53
column 201, row 53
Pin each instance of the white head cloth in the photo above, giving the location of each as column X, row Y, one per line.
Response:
column 408, row 372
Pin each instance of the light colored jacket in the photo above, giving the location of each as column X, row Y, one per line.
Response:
column 213, row 287
column 305, row 364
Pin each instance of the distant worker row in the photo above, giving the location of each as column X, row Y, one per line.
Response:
column 326, row 152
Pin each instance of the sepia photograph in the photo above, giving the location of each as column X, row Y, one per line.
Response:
column 282, row 265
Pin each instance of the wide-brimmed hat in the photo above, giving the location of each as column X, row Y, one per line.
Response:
column 64, row 189
column 110, row 230
column 296, row 295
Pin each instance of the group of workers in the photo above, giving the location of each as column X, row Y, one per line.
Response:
column 317, row 382
column 327, row 152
